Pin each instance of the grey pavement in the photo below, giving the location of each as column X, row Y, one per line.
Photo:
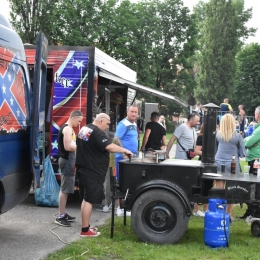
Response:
column 25, row 230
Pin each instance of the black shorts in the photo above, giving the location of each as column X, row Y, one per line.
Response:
column 93, row 189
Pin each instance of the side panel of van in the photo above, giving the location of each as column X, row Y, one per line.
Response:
column 15, row 170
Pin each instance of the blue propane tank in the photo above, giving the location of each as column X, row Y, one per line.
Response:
column 216, row 224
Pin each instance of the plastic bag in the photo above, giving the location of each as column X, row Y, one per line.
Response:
column 48, row 193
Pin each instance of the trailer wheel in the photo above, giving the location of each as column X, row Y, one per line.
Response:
column 159, row 216
column 255, row 228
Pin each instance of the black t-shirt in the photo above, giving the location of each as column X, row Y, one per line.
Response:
column 91, row 152
column 199, row 142
column 155, row 137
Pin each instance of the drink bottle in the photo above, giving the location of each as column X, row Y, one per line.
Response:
column 233, row 165
column 255, row 167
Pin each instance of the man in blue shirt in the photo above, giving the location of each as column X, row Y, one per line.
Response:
column 126, row 136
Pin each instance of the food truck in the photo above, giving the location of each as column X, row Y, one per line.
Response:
column 89, row 80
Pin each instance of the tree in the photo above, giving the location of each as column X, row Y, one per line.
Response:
column 165, row 40
column 220, row 36
column 28, row 17
column 154, row 38
column 247, row 91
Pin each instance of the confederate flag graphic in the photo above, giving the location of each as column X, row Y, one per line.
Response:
column 12, row 93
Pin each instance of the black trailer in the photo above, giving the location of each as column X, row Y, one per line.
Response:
column 159, row 194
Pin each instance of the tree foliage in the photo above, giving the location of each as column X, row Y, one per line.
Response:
column 28, row 17
column 154, row 38
column 219, row 39
column 247, row 90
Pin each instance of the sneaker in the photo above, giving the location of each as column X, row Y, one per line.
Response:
column 95, row 229
column 90, row 233
column 62, row 222
column 69, row 218
column 199, row 214
column 120, row 213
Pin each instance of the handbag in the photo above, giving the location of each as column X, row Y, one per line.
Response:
column 190, row 152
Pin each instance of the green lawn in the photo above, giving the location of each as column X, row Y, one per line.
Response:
column 126, row 245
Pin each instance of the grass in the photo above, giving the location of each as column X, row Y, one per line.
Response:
column 126, row 245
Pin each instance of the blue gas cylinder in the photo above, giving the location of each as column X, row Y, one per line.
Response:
column 216, row 224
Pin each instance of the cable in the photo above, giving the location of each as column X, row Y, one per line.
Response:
column 78, row 255
column 55, row 215
column 58, row 235
column 51, row 230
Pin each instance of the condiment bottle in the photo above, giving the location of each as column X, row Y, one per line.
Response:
column 255, row 166
column 233, row 165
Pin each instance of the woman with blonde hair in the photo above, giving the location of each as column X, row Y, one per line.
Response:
column 229, row 143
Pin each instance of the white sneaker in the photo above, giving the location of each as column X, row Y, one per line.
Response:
column 120, row 213
column 199, row 214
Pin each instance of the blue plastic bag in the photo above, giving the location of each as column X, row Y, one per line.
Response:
column 48, row 193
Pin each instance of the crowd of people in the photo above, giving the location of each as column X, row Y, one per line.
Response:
column 93, row 149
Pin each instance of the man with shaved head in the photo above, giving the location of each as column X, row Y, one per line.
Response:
column 93, row 147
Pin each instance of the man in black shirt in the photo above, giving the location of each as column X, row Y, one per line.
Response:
column 155, row 134
column 92, row 161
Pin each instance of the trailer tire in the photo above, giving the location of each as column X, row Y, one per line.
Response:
column 159, row 216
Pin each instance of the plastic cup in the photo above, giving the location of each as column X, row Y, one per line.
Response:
column 246, row 169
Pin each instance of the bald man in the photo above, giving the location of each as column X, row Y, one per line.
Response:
column 93, row 147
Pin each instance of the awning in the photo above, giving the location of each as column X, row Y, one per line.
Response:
column 142, row 88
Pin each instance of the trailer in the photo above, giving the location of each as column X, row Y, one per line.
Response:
column 159, row 194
